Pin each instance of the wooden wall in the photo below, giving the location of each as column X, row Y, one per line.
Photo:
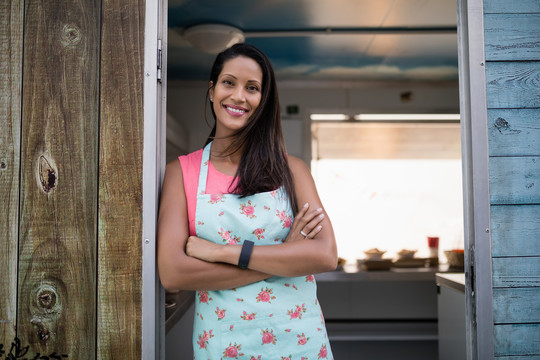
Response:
column 71, row 178
column 512, row 48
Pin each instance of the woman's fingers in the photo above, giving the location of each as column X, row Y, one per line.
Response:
column 307, row 222
column 313, row 227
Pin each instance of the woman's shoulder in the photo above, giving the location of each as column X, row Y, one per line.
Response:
column 193, row 156
column 297, row 165
column 187, row 162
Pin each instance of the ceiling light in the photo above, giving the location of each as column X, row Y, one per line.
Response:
column 407, row 117
column 329, row 117
column 213, row 38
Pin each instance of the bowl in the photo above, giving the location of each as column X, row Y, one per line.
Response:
column 374, row 254
column 406, row 254
column 456, row 258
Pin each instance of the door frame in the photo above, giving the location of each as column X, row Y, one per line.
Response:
column 475, row 158
column 155, row 95
column 476, row 198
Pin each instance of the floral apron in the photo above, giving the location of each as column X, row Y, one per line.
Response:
column 277, row 318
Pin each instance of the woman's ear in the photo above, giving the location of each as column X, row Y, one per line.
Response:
column 211, row 90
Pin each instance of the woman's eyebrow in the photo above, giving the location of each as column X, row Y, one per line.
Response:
column 231, row 75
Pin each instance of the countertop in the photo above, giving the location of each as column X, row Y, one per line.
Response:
column 353, row 273
column 454, row 281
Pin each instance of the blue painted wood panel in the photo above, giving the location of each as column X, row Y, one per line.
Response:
column 519, row 339
column 514, row 180
column 512, row 51
column 516, row 305
column 514, row 132
column 512, row 37
column 516, row 272
column 511, row 7
column 513, row 85
column 515, row 230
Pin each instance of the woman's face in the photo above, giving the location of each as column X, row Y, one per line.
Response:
column 236, row 94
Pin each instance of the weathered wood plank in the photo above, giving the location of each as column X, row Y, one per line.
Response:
column 513, row 85
column 11, row 38
column 514, row 132
column 514, row 180
column 516, row 272
column 516, row 305
column 58, row 211
column 520, row 339
column 515, row 230
column 510, row 7
column 120, row 181
column 512, row 37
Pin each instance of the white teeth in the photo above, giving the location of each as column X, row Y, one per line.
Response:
column 239, row 111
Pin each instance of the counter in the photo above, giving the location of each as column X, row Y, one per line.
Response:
column 451, row 316
column 453, row 281
column 381, row 313
column 353, row 273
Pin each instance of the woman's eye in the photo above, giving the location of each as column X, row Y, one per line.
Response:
column 227, row 82
column 253, row 88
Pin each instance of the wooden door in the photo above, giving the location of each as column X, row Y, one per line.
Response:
column 71, row 179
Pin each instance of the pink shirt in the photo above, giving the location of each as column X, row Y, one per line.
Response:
column 216, row 183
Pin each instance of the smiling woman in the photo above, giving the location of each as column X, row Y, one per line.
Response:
column 230, row 226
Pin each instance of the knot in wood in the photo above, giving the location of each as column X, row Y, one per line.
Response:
column 504, row 127
column 3, row 165
column 501, row 123
column 71, row 35
column 47, row 175
column 46, row 298
column 42, row 331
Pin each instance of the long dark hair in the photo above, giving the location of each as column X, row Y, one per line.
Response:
column 263, row 164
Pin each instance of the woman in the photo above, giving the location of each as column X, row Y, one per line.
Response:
column 252, row 302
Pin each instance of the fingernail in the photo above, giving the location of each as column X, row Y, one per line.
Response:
column 321, row 216
column 319, row 209
column 319, row 227
column 306, row 205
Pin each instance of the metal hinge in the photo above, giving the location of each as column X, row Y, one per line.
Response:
column 159, row 60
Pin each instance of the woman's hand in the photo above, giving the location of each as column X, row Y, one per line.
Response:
column 306, row 224
column 203, row 249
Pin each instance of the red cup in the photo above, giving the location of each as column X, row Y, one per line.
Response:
column 433, row 241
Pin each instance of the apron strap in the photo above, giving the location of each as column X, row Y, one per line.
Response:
column 203, row 174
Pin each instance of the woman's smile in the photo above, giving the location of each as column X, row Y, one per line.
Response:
column 235, row 110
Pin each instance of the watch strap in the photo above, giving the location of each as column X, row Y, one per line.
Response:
column 245, row 254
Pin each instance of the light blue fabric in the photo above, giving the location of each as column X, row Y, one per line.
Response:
column 278, row 318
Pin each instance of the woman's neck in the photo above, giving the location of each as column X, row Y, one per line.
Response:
column 224, row 162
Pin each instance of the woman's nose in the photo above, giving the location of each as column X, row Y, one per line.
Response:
column 238, row 94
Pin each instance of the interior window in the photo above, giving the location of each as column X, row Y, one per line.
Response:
column 389, row 185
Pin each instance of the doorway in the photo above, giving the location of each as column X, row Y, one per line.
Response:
column 333, row 87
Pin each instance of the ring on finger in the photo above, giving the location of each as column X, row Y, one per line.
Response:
column 303, row 233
